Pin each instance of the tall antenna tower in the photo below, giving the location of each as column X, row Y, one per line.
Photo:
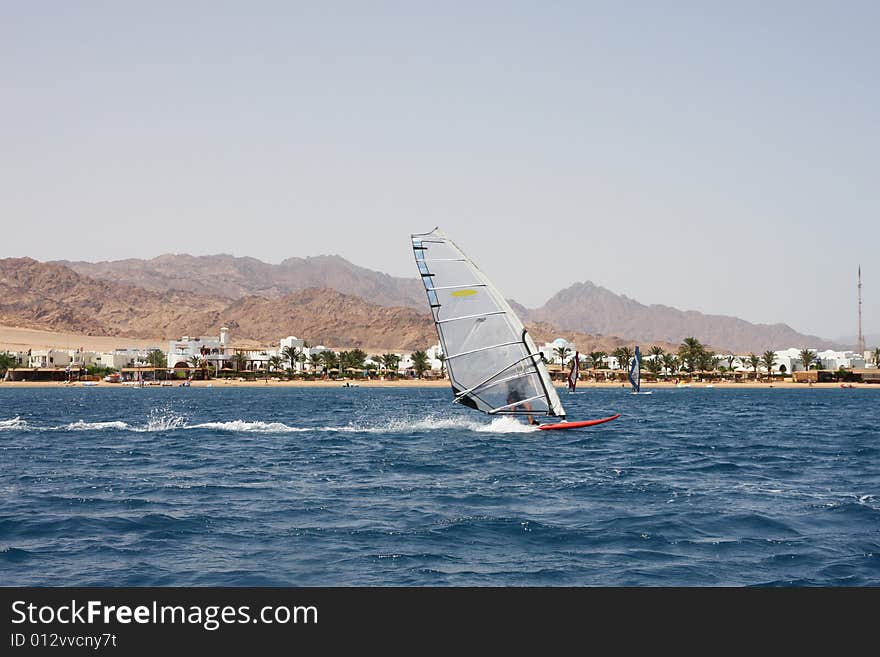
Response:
column 861, row 345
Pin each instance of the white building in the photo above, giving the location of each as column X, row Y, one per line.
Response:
column 548, row 350
column 294, row 343
column 21, row 358
column 49, row 358
column 834, row 360
column 434, row 354
column 214, row 350
column 291, row 341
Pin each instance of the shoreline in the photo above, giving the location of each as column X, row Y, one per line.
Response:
column 424, row 383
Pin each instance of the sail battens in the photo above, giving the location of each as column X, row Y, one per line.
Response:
column 483, row 384
column 492, row 363
column 455, row 287
column 476, row 351
column 493, row 382
column 519, row 402
column 475, row 316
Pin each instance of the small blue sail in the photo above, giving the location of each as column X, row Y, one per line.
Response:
column 635, row 371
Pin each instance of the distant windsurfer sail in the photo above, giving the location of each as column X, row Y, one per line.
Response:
column 635, row 374
column 491, row 360
column 635, row 371
column 573, row 373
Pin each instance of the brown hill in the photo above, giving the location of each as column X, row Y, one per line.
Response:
column 53, row 297
column 234, row 278
column 325, row 316
column 584, row 307
column 595, row 310
column 50, row 296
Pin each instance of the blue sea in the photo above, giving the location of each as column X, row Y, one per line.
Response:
column 397, row 486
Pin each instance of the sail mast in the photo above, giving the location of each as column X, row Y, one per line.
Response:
column 861, row 343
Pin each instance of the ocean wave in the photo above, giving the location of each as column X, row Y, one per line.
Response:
column 245, row 426
column 429, row 423
column 81, row 425
column 433, row 423
column 168, row 421
column 13, row 423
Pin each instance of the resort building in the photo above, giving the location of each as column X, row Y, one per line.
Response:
column 548, row 351
column 834, row 360
column 291, row 341
column 49, row 358
column 213, row 350
column 434, row 354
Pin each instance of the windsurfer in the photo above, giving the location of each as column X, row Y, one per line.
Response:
column 515, row 393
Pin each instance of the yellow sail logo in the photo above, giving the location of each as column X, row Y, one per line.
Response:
column 464, row 293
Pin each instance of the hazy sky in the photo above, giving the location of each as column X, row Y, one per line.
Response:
column 720, row 157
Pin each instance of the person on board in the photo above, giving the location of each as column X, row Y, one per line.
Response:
column 516, row 393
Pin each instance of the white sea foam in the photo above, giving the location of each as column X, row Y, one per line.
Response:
column 81, row 425
column 243, row 425
column 163, row 420
column 432, row 423
column 13, row 423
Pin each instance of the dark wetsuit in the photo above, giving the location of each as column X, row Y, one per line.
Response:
column 515, row 393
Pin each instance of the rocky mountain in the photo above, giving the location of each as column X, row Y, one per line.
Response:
column 181, row 294
column 595, row 310
column 234, row 277
column 325, row 316
column 51, row 296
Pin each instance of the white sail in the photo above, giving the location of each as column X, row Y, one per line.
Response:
column 491, row 360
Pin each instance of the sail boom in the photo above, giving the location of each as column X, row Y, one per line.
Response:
column 514, row 404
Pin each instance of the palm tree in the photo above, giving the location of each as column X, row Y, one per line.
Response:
column 730, row 360
column 391, row 361
column 768, row 360
column 156, row 358
column 442, row 358
column 624, row 356
column 708, row 362
column 315, row 361
column 596, row 358
column 807, row 358
column 670, row 362
column 420, row 362
column 877, row 357
column 655, row 365
column 563, row 353
column 754, row 361
column 292, row 355
column 7, row 361
column 276, row 363
column 689, row 352
column 656, row 352
column 329, row 359
column 239, row 360
column 357, row 358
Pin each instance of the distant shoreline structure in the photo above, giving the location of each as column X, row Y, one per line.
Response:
column 443, row 383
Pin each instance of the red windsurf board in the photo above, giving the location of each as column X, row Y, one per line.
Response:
column 577, row 425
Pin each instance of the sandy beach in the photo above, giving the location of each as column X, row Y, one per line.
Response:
column 425, row 383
